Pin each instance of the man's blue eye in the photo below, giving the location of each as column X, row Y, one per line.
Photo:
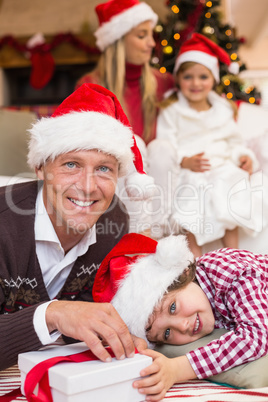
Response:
column 167, row 333
column 172, row 308
column 104, row 169
column 70, row 165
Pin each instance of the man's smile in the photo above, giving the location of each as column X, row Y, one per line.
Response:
column 81, row 203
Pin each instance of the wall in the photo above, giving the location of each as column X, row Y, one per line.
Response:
column 26, row 17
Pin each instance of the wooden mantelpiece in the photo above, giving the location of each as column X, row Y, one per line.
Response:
column 64, row 54
column 72, row 58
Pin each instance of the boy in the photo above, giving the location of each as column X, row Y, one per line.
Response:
column 162, row 298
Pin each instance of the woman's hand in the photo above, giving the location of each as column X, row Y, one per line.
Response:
column 196, row 163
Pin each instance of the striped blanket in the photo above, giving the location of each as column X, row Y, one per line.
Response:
column 190, row 391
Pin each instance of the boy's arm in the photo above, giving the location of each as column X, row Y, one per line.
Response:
column 162, row 374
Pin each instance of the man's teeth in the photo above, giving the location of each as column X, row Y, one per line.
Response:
column 82, row 203
column 197, row 324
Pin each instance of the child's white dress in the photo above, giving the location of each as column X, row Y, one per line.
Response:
column 206, row 204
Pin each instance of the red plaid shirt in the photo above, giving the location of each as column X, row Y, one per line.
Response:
column 236, row 284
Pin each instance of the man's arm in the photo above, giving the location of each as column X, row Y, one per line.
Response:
column 17, row 335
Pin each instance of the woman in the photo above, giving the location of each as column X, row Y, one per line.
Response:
column 125, row 37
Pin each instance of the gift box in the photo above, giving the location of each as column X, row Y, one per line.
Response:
column 87, row 381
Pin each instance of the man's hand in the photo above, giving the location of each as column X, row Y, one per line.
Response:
column 196, row 163
column 91, row 323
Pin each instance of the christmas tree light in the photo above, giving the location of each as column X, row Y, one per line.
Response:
column 188, row 16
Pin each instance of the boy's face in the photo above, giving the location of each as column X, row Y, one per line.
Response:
column 183, row 316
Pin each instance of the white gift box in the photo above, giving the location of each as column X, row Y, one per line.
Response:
column 94, row 381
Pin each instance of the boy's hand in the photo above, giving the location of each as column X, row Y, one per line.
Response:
column 140, row 344
column 246, row 163
column 196, row 163
column 161, row 376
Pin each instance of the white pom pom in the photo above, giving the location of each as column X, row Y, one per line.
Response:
column 172, row 252
column 234, row 68
column 140, row 186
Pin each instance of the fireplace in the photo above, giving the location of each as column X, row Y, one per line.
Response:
column 74, row 56
column 62, row 83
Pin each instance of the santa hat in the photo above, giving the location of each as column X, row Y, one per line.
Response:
column 204, row 51
column 136, row 274
column 118, row 17
column 90, row 118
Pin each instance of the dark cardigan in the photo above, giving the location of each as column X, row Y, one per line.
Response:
column 21, row 283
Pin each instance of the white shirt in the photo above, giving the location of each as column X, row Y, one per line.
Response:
column 57, row 267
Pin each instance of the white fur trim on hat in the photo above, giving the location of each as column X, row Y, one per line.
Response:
column 83, row 130
column 109, row 32
column 234, row 68
column 203, row 58
column 148, row 280
column 140, row 186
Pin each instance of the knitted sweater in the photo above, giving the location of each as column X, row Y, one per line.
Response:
column 21, row 284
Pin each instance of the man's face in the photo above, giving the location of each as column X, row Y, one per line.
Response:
column 183, row 316
column 78, row 189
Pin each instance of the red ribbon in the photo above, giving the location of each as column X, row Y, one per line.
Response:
column 38, row 375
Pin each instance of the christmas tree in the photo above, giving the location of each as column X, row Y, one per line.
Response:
column 202, row 16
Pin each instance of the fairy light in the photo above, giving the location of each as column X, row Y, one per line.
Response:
column 228, row 46
column 208, row 15
column 176, row 36
column 175, row 9
column 158, row 28
column 248, row 90
column 168, row 49
column 208, row 30
column 233, row 56
column 162, row 70
column 252, row 99
column 228, row 32
column 164, row 42
column 209, row 3
column 226, row 82
column 229, row 95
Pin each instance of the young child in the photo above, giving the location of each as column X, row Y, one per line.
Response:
column 164, row 296
column 213, row 193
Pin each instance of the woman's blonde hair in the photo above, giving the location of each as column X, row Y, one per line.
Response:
column 172, row 98
column 111, row 68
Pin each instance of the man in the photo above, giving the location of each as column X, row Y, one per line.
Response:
column 56, row 231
